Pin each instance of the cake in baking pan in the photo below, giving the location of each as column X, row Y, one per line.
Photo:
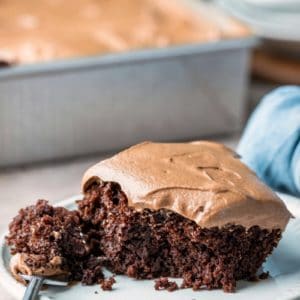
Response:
column 42, row 30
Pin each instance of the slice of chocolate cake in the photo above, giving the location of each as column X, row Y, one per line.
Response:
column 47, row 241
column 189, row 210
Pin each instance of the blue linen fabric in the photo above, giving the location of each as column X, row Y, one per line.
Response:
column 270, row 144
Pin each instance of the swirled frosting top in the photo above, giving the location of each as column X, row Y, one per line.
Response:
column 202, row 181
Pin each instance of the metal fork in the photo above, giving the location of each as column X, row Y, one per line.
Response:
column 35, row 284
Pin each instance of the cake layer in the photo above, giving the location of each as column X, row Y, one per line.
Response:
column 158, row 243
column 105, row 232
column 202, row 181
column 47, row 241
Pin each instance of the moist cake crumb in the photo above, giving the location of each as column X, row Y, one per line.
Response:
column 4, row 63
column 253, row 278
column 164, row 283
column 107, row 283
column 150, row 244
column 146, row 244
column 264, row 275
column 45, row 236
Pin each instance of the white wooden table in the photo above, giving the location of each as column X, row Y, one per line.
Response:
column 56, row 181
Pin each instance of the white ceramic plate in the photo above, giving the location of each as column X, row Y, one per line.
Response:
column 273, row 19
column 283, row 284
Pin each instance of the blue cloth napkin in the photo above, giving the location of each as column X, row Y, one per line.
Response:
column 270, row 144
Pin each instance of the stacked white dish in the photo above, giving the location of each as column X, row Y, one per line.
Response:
column 271, row 19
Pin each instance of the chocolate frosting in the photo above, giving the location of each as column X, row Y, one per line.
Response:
column 202, row 181
column 19, row 266
column 41, row 30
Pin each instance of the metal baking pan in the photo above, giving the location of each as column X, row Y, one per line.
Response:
column 96, row 104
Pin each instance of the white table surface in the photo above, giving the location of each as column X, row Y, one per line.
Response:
column 20, row 187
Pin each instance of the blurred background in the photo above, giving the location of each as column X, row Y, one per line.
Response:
column 79, row 82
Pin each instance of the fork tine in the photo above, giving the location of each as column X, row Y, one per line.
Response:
column 48, row 281
column 55, row 282
column 26, row 277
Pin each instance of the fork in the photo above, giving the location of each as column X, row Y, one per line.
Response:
column 35, row 284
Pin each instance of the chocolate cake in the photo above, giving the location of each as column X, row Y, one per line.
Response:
column 164, row 283
column 186, row 210
column 42, row 30
column 47, row 241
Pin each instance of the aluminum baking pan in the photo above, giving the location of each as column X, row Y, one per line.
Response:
column 87, row 105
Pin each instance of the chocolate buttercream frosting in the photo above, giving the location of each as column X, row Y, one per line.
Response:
column 19, row 265
column 202, row 181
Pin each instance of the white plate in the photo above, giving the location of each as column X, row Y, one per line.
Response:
column 278, row 20
column 283, row 284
